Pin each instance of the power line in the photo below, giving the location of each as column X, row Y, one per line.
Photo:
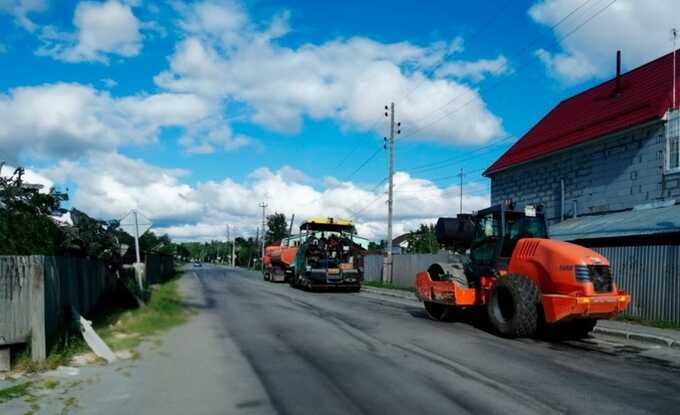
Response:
column 356, row 213
column 446, row 178
column 459, row 158
column 410, row 134
column 426, row 77
column 568, row 34
column 436, row 189
column 371, row 157
column 522, row 51
column 468, row 39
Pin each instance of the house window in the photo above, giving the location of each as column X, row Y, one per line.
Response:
column 673, row 142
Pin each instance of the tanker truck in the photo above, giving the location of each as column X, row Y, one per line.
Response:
column 279, row 259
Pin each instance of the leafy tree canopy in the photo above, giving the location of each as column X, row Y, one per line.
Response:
column 423, row 240
column 28, row 226
column 277, row 228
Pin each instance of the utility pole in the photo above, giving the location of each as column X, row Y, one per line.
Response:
column 263, row 205
column 226, row 247
column 250, row 251
column 139, row 260
column 387, row 268
column 290, row 228
column 461, row 174
column 233, row 252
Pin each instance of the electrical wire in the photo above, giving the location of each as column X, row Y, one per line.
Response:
column 528, row 47
column 418, row 129
column 426, row 76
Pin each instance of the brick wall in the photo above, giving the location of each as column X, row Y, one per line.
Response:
column 613, row 173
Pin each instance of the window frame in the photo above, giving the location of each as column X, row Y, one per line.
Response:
column 672, row 132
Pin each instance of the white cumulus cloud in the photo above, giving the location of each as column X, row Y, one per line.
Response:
column 640, row 29
column 102, row 29
column 474, row 70
column 20, row 9
column 225, row 54
column 110, row 184
column 67, row 120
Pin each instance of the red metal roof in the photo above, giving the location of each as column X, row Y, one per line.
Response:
column 645, row 95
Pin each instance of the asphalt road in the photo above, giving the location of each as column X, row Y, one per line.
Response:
column 254, row 347
column 340, row 353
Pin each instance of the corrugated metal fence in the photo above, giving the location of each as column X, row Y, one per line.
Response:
column 404, row 268
column 15, row 297
column 159, row 268
column 80, row 283
column 652, row 275
column 37, row 293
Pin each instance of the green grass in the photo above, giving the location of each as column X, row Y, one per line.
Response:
column 661, row 324
column 60, row 354
column 14, row 392
column 121, row 329
column 378, row 284
column 126, row 329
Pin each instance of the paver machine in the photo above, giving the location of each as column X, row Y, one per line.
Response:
column 506, row 263
column 330, row 255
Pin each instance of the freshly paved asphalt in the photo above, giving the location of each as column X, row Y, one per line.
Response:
column 255, row 347
column 346, row 353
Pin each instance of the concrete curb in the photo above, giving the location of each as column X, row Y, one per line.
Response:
column 403, row 295
column 638, row 336
column 605, row 331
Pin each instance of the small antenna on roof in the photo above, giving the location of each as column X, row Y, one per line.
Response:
column 617, row 89
column 674, row 34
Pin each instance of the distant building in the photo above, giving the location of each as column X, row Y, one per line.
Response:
column 400, row 243
column 605, row 166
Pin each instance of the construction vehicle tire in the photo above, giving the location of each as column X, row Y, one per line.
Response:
column 513, row 306
column 440, row 312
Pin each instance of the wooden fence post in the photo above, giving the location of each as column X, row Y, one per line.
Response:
column 37, row 308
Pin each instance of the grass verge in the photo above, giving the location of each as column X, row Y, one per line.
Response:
column 120, row 328
column 378, row 284
column 14, row 392
column 661, row 324
column 126, row 329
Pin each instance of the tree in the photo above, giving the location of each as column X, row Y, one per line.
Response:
column 91, row 238
column 277, row 228
column 246, row 251
column 26, row 226
column 423, row 241
column 183, row 252
column 376, row 248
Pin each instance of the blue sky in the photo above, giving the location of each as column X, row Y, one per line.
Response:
column 195, row 111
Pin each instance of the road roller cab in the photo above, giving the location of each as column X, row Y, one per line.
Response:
column 523, row 278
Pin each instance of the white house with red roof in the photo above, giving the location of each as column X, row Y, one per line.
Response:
column 600, row 158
